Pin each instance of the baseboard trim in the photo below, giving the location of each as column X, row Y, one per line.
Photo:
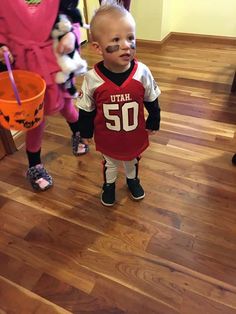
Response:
column 201, row 37
column 187, row 37
column 154, row 43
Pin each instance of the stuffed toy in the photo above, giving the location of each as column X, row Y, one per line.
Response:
column 70, row 9
column 71, row 64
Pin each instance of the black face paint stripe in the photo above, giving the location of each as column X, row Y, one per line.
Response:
column 133, row 45
column 114, row 48
column 111, row 49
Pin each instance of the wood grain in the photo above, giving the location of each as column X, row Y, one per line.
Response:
column 61, row 251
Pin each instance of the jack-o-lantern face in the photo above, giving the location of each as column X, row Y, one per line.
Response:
column 28, row 120
column 28, row 113
column 25, row 120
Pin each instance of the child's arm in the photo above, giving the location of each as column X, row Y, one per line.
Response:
column 86, row 123
column 87, row 109
column 151, row 103
column 154, row 117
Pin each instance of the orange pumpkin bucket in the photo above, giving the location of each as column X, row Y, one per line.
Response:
column 21, row 108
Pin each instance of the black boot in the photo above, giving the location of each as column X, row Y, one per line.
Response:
column 108, row 194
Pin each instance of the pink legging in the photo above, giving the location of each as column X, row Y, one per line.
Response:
column 34, row 137
column 126, row 3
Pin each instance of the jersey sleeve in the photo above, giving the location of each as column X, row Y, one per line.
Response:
column 86, row 101
column 152, row 91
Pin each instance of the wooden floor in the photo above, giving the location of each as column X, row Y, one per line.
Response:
column 174, row 252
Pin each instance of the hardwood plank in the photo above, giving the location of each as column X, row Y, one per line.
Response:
column 173, row 252
column 18, row 272
column 17, row 300
column 194, row 304
column 70, row 298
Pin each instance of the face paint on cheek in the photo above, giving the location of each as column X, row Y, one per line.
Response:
column 114, row 48
column 133, row 45
column 111, row 49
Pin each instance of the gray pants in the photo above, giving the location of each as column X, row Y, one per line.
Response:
column 110, row 168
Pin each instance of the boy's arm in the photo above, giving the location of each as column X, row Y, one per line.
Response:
column 87, row 109
column 86, row 123
column 154, row 117
column 151, row 103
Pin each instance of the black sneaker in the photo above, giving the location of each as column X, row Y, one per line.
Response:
column 135, row 189
column 108, row 194
column 234, row 159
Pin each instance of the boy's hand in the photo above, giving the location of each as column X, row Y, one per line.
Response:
column 66, row 44
column 151, row 132
column 2, row 50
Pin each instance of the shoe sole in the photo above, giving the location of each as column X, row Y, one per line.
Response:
column 137, row 198
column 36, row 188
column 106, row 204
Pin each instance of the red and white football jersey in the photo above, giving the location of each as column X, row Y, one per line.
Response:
column 119, row 125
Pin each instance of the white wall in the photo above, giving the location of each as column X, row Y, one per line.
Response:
column 209, row 17
column 166, row 18
column 156, row 18
column 148, row 16
column 92, row 5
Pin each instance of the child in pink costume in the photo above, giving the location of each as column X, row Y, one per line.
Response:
column 25, row 28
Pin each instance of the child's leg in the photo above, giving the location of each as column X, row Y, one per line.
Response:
column 70, row 113
column 37, row 174
column 72, row 117
column 131, row 168
column 33, row 141
column 133, row 182
column 110, row 169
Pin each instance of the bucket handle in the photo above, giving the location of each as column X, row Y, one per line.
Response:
column 11, row 77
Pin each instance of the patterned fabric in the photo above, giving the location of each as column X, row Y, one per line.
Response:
column 33, row 2
column 78, row 147
column 39, row 178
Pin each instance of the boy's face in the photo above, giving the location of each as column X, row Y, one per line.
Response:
column 116, row 42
